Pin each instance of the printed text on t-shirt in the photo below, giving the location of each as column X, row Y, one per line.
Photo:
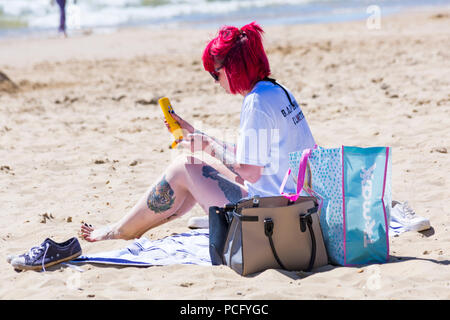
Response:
column 289, row 109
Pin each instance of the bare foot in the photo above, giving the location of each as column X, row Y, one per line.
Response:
column 91, row 234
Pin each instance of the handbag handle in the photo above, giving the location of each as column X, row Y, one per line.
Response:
column 305, row 220
column 300, row 177
column 268, row 231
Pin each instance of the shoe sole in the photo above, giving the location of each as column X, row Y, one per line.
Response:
column 198, row 223
column 39, row 267
column 421, row 227
column 197, row 227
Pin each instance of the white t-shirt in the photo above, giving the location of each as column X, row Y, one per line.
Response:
column 270, row 128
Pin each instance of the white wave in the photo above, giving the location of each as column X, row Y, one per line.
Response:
column 37, row 9
column 110, row 13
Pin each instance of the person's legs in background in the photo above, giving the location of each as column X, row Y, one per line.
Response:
column 62, row 16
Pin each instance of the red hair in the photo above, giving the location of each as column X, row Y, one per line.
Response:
column 241, row 53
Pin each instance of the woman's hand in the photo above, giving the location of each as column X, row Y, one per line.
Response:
column 192, row 139
column 185, row 126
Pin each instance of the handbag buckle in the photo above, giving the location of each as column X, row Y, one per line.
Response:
column 305, row 218
column 268, row 226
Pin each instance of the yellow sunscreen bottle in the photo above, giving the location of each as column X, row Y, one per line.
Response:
column 174, row 126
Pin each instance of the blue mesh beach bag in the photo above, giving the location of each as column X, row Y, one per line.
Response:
column 353, row 186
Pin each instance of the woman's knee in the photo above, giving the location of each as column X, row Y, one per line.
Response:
column 177, row 171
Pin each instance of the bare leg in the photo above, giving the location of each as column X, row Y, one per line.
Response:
column 184, row 183
column 187, row 205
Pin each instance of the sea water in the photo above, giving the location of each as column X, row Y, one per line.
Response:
column 38, row 16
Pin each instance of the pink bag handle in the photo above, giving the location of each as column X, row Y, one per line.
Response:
column 300, row 178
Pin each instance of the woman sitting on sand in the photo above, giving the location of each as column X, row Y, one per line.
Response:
column 271, row 125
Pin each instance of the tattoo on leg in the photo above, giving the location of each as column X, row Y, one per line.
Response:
column 232, row 192
column 161, row 197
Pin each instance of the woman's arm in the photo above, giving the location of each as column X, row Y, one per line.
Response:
column 226, row 153
column 221, row 150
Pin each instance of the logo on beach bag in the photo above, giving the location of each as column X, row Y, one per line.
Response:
column 366, row 185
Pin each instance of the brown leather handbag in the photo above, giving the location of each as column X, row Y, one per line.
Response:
column 267, row 232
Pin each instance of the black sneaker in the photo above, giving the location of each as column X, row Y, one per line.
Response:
column 47, row 254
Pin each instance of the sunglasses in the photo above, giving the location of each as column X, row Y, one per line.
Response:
column 215, row 73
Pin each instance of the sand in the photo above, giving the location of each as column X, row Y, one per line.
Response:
column 82, row 138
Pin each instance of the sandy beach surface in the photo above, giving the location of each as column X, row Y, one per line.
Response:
column 82, row 138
